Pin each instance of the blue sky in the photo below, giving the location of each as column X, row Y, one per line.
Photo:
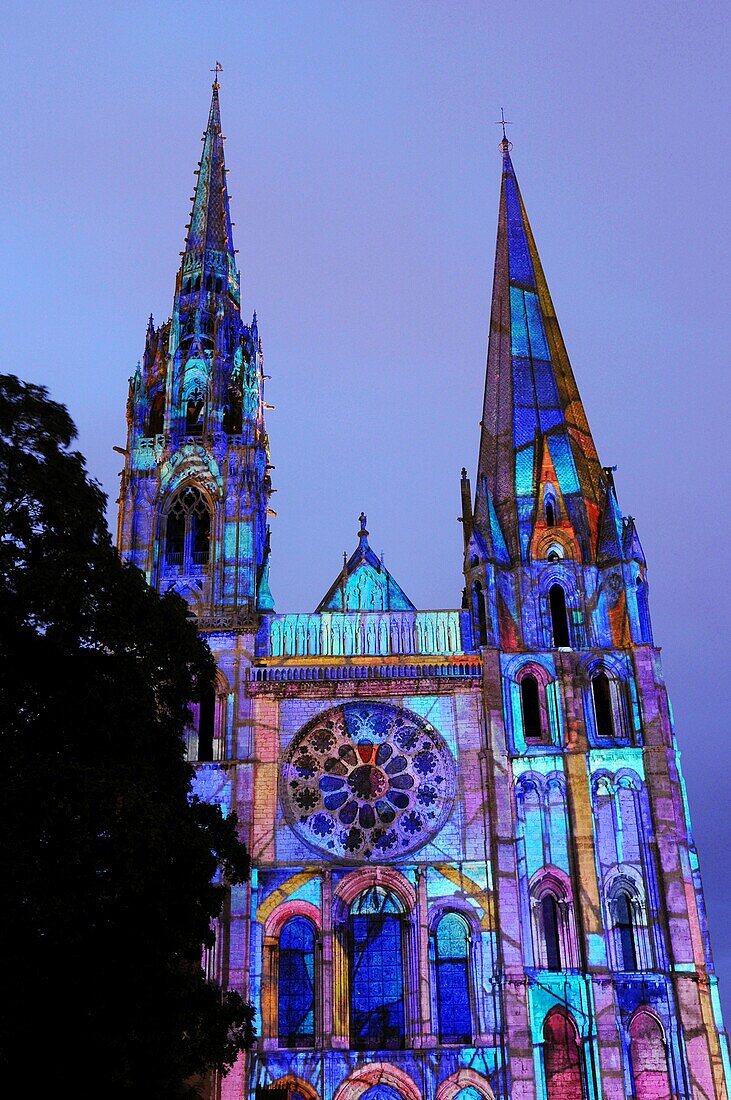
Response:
column 364, row 174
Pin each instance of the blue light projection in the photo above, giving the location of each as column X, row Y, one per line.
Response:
column 376, row 978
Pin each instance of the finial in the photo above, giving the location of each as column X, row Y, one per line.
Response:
column 216, row 70
column 362, row 519
column 505, row 145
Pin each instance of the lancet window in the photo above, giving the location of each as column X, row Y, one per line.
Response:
column 377, row 1016
column 531, row 708
column 188, row 530
column 156, row 417
column 554, row 944
column 296, row 983
column 559, row 617
column 452, row 965
column 648, row 1056
column 562, row 1057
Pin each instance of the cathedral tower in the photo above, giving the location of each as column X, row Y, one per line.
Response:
column 474, row 876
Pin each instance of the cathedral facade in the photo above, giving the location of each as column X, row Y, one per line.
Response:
column 474, row 876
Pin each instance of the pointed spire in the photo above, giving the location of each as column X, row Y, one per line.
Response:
column 531, row 397
column 210, row 220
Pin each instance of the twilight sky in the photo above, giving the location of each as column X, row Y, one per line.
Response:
column 364, row 174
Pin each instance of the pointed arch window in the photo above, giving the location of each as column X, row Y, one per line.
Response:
column 648, row 1056
column 625, row 929
column 530, row 702
column 559, row 617
column 188, row 530
column 551, row 931
column 377, row 1016
column 562, row 1057
column 296, row 983
column 550, row 513
column 452, row 950
column 602, row 699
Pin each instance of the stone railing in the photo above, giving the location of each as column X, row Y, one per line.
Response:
column 370, row 634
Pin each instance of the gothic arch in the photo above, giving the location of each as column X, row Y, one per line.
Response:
column 278, row 917
column 377, row 1073
column 464, row 1078
column 292, row 1083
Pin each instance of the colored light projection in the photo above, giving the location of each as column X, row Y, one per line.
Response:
column 468, row 827
column 368, row 781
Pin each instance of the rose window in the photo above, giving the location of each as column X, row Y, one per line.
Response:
column 367, row 781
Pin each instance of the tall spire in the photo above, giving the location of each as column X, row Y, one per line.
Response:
column 210, row 220
column 531, row 398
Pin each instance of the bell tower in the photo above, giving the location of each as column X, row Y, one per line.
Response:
column 196, row 481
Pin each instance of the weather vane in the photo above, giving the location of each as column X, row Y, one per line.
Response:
column 218, row 69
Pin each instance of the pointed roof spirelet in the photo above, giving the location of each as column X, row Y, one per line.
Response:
column 210, row 220
column 530, row 392
column 364, row 583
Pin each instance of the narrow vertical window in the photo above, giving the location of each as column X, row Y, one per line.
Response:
column 602, row 696
column 551, row 931
column 550, row 514
column 531, row 706
column 562, row 1057
column 296, row 986
column 481, row 614
column 157, row 415
column 175, row 535
column 453, row 980
column 625, row 931
column 559, row 620
column 377, row 1017
column 206, row 725
column 649, row 1059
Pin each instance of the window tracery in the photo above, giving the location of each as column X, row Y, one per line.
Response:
column 377, row 1016
column 296, row 983
column 452, row 968
column 188, row 530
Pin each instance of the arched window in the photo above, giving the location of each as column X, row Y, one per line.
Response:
column 479, row 606
column 648, row 1057
column 453, row 980
column 296, row 984
column 625, row 931
column 188, row 530
column 602, row 698
column 643, row 610
column 550, row 514
column 551, row 931
column 562, row 1057
column 377, row 1017
column 156, row 418
column 531, row 707
column 559, row 619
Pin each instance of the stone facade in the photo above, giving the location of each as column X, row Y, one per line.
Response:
column 473, row 869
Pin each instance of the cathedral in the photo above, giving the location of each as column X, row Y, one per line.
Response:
column 474, row 875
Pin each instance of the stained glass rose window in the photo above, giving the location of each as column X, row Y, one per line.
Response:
column 367, row 781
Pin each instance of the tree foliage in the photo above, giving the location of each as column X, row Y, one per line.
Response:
column 112, row 871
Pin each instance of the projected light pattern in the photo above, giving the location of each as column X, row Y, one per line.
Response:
column 473, row 869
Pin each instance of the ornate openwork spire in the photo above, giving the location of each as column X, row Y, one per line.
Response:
column 531, row 397
column 210, row 220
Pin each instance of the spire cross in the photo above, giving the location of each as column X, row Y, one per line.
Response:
column 218, row 68
column 503, row 122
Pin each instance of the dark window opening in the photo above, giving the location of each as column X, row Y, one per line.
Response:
column 219, row 286
column 625, row 932
column 188, row 530
column 453, row 984
column 156, row 418
column 531, row 704
column 602, row 696
column 479, row 607
column 559, row 619
column 232, row 414
column 377, row 1018
column 550, row 515
column 194, row 416
column 551, row 931
column 206, row 725
column 296, row 988
column 208, row 282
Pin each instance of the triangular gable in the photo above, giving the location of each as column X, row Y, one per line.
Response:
column 364, row 584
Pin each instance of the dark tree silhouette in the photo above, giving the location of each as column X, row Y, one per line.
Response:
column 112, row 872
